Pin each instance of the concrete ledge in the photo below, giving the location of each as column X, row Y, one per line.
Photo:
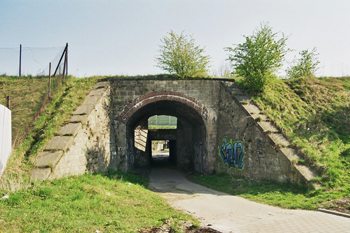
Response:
column 70, row 129
column 84, row 109
column 303, row 170
column 306, row 172
column 92, row 99
column 279, row 139
column 251, row 109
column 79, row 118
column 335, row 213
column 262, row 117
column 41, row 173
column 243, row 98
column 236, row 91
column 101, row 85
column 268, row 127
column 59, row 143
column 290, row 153
column 97, row 92
column 48, row 159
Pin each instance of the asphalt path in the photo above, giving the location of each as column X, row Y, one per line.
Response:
column 227, row 213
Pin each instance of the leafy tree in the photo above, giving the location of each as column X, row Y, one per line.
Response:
column 179, row 55
column 306, row 66
column 259, row 57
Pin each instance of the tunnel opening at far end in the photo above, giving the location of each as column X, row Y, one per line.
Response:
column 162, row 135
column 180, row 142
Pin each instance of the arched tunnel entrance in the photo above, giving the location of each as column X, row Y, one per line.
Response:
column 187, row 143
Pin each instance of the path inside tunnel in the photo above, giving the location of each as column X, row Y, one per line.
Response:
column 161, row 159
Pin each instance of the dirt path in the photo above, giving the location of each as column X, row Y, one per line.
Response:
column 228, row 213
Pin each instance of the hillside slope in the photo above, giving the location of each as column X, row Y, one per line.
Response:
column 31, row 130
column 314, row 115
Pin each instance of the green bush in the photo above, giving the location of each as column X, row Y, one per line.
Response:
column 258, row 58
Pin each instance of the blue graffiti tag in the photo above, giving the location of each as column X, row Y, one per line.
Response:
column 232, row 155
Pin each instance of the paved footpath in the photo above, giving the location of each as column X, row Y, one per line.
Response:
column 234, row 214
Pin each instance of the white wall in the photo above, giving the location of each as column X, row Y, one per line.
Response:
column 5, row 137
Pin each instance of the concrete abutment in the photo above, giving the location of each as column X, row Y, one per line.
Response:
column 219, row 130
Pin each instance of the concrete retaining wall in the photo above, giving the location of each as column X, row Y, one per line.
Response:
column 249, row 144
column 5, row 137
column 84, row 143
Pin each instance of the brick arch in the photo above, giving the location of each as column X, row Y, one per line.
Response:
column 153, row 97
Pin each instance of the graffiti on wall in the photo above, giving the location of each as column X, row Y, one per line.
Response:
column 232, row 153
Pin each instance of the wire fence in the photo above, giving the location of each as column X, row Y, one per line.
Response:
column 28, row 60
column 38, row 89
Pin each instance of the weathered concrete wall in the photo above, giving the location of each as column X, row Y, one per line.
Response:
column 5, row 137
column 198, row 101
column 252, row 146
column 84, row 144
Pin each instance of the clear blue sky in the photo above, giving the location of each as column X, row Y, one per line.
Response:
column 115, row 37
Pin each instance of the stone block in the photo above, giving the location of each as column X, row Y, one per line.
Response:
column 268, row 127
column 279, row 139
column 48, row 159
column 40, row 173
column 251, row 109
column 306, row 172
column 243, row 99
column 79, row 118
column 70, row 129
column 59, row 143
column 84, row 109
column 236, row 91
column 290, row 153
column 91, row 99
column 262, row 117
column 97, row 91
column 101, row 85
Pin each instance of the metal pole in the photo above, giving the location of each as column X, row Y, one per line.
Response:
column 49, row 80
column 64, row 69
column 64, row 51
column 20, row 60
column 66, row 58
column 8, row 102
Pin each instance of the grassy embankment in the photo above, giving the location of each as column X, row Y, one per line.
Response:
column 315, row 115
column 31, row 132
column 108, row 203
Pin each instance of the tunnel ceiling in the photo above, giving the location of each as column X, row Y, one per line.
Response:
column 166, row 107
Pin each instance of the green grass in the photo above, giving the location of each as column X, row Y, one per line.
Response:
column 56, row 113
column 104, row 202
column 285, row 195
column 315, row 115
column 162, row 126
column 26, row 97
